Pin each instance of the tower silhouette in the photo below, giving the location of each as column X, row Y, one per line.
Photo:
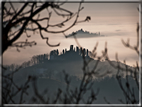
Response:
column 71, row 47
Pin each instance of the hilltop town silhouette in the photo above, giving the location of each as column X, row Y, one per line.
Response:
column 83, row 33
column 71, row 52
column 74, row 53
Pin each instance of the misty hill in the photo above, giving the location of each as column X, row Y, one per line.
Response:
column 84, row 34
column 48, row 69
column 69, row 60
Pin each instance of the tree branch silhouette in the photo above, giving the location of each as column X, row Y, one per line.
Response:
column 25, row 16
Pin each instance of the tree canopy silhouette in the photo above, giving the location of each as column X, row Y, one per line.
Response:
column 27, row 18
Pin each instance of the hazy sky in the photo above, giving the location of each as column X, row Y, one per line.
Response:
column 114, row 20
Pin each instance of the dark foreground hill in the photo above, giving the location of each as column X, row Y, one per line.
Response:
column 50, row 77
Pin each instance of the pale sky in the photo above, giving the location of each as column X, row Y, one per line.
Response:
column 115, row 20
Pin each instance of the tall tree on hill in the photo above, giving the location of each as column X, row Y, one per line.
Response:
column 63, row 51
column 57, row 52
